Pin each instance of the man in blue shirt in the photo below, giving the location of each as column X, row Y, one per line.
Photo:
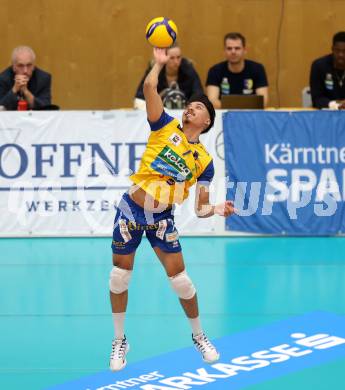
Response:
column 236, row 75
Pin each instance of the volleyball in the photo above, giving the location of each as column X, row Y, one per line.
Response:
column 161, row 32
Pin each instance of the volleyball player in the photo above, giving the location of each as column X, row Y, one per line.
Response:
column 173, row 161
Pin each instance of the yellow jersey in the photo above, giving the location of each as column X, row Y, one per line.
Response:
column 170, row 164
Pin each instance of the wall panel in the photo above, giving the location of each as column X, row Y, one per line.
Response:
column 97, row 52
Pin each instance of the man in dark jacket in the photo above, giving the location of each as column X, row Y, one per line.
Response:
column 24, row 81
column 327, row 77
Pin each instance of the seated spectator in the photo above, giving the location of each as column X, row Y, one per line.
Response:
column 24, row 81
column 177, row 81
column 327, row 77
column 236, row 75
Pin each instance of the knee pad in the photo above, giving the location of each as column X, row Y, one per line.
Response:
column 182, row 285
column 119, row 280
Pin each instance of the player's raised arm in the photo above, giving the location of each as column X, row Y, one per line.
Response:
column 154, row 104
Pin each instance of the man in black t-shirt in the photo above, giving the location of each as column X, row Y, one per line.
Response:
column 327, row 77
column 236, row 75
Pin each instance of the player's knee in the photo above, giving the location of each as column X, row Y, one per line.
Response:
column 182, row 285
column 119, row 280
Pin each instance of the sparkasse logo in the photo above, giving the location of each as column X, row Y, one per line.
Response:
column 247, row 358
column 222, row 371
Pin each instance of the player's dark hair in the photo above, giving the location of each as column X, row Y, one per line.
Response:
column 200, row 97
column 235, row 35
column 339, row 37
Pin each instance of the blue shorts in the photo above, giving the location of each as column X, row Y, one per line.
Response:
column 131, row 221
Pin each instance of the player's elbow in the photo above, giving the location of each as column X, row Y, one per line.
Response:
column 199, row 214
column 149, row 85
column 202, row 211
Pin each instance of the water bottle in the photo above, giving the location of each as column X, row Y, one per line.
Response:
column 225, row 86
column 22, row 105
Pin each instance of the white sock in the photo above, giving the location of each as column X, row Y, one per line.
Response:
column 119, row 325
column 196, row 325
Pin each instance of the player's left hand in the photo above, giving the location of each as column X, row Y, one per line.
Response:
column 225, row 209
column 160, row 56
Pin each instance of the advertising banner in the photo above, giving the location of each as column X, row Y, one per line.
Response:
column 63, row 173
column 286, row 171
column 247, row 358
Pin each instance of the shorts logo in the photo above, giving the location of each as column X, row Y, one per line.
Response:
column 162, row 227
column 119, row 244
column 175, row 244
column 125, row 234
column 171, row 237
column 175, row 139
column 139, row 227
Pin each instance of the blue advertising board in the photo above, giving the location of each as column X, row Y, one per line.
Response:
column 285, row 171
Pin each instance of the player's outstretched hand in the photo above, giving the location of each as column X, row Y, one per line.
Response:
column 160, row 55
column 225, row 209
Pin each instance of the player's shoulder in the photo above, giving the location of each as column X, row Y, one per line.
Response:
column 206, row 173
column 164, row 120
column 203, row 152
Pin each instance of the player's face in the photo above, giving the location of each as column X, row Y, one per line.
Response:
column 196, row 114
column 175, row 58
column 234, row 51
column 24, row 64
column 338, row 51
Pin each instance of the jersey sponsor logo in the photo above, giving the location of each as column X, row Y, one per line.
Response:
column 175, row 139
column 171, row 164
